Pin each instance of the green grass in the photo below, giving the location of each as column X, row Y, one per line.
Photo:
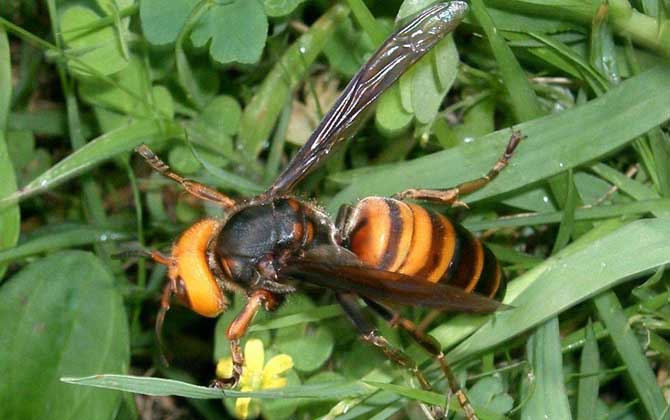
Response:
column 226, row 91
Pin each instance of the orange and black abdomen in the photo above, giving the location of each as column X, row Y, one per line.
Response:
column 406, row 238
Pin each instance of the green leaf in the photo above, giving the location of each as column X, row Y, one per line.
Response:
column 276, row 8
column 631, row 352
column 513, row 21
column 428, row 81
column 222, row 114
column 102, row 148
column 133, row 94
column 390, row 116
column 282, row 408
column 10, row 218
column 60, row 316
column 21, row 148
column 308, row 315
column 489, row 393
column 347, row 48
column 554, row 144
column 260, row 115
column 588, row 382
column 592, row 265
column 524, row 102
column 5, row 79
column 165, row 387
column 548, row 397
column 113, row 6
column 237, row 31
column 182, row 161
column 98, row 48
column 309, row 345
column 64, row 237
column 626, row 21
column 163, row 20
column 431, row 397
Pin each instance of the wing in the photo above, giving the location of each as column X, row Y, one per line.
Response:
column 402, row 49
column 338, row 269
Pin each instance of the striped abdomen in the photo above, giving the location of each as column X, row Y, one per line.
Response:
column 406, row 238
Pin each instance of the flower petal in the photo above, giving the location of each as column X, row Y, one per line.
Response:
column 271, row 383
column 254, row 355
column 278, row 364
column 224, row 369
column 242, row 407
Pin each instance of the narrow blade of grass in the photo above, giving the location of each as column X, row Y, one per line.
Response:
column 165, row 387
column 554, row 144
column 588, row 269
column 310, row 315
column 567, row 222
column 588, row 383
column 10, row 218
column 549, row 399
column 260, row 115
column 524, row 102
column 430, row 397
column 106, row 146
column 658, row 206
column 630, row 351
column 68, row 238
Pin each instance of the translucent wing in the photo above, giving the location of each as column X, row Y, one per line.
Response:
column 402, row 49
column 338, row 269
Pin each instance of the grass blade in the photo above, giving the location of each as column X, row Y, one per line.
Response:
column 554, row 144
column 628, row 347
column 67, row 238
column 524, row 102
column 549, row 399
column 588, row 382
column 590, row 269
column 164, row 387
column 102, row 148
column 10, row 218
column 260, row 115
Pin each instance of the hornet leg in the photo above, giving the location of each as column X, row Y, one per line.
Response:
column 371, row 335
column 238, row 328
column 431, row 346
column 451, row 196
column 199, row 190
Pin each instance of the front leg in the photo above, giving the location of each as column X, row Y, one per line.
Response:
column 238, row 328
column 451, row 196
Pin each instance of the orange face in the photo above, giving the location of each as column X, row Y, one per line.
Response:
column 189, row 269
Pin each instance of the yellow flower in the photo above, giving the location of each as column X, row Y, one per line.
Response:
column 255, row 376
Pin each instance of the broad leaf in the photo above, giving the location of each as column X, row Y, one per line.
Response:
column 237, row 31
column 60, row 316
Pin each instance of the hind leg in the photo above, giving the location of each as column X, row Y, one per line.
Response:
column 372, row 336
column 431, row 346
column 451, row 196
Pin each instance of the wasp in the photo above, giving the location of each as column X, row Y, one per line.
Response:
column 379, row 250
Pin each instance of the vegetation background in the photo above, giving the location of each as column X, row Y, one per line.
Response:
column 226, row 91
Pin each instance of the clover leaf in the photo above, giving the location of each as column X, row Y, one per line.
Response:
column 237, row 31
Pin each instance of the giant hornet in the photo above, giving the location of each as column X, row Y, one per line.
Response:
column 381, row 250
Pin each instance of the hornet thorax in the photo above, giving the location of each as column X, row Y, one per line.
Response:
column 257, row 239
